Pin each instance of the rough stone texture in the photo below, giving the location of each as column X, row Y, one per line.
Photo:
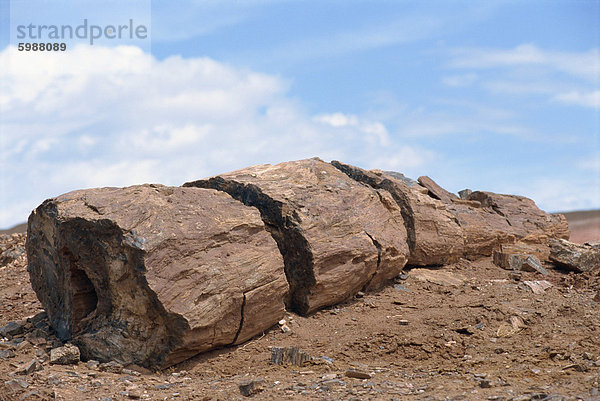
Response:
column 335, row 234
column 503, row 219
column 67, row 355
column 510, row 261
column 523, row 216
column 289, row 355
column 153, row 275
column 11, row 329
column 583, row 258
column 436, row 191
column 540, row 250
column 434, row 236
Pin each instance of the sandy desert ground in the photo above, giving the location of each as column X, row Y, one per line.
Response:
column 468, row 331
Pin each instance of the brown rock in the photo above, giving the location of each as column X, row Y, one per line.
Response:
column 434, row 237
column 336, row 235
column 153, row 275
column 505, row 219
column 435, row 191
column 512, row 261
column 523, row 216
column 358, row 374
column 539, row 250
column 583, row 258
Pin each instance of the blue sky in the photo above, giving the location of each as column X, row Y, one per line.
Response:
column 496, row 95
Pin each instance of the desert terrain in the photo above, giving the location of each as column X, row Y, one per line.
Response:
column 466, row 331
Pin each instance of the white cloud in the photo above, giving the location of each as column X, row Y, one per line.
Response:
column 565, row 77
column 376, row 131
column 588, row 99
column 96, row 116
column 584, row 65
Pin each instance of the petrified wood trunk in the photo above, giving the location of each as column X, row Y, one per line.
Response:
column 434, row 236
column 153, row 275
column 336, row 235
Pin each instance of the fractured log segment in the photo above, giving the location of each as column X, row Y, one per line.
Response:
column 154, row 275
column 337, row 236
column 434, row 236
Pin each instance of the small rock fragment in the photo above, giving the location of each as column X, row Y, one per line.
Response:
column 532, row 264
column 538, row 286
column 66, row 355
column 92, row 364
column 582, row 258
column 11, row 329
column 516, row 325
column 464, row 194
column 54, row 380
column 291, row 355
column 28, row 368
column 111, row 367
column 250, row 387
column 7, row 353
column 285, row 328
column 358, row 374
column 511, row 261
column 23, row 345
column 485, row 383
column 16, row 384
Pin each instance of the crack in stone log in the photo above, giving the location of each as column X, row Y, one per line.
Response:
column 378, row 246
column 297, row 256
column 400, row 198
column 237, row 334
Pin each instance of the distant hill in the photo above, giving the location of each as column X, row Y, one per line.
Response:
column 19, row 228
column 584, row 225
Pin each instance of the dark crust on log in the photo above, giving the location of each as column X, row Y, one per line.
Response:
column 285, row 230
column 385, row 184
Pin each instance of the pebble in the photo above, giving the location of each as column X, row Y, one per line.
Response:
column 7, row 353
column 16, row 384
column 111, row 367
column 250, row 387
column 11, row 329
column 24, row 346
column 358, row 374
column 66, row 355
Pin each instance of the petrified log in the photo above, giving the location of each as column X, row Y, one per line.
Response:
column 524, row 217
column 336, row 235
column 153, row 275
column 434, row 236
column 489, row 220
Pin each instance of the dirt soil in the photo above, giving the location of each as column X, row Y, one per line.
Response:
column 468, row 331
